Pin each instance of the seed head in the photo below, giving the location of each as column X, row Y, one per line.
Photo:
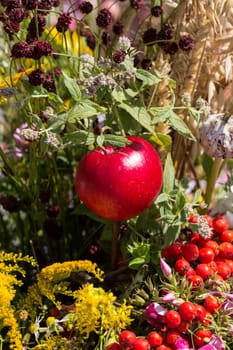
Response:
column 149, row 36
column 136, row 4
column 156, row 11
column 37, row 77
column 104, row 18
column 49, row 83
column 30, row 4
column 85, row 7
column 63, row 22
column 16, row 15
column 118, row 28
column 118, row 56
column 186, row 42
column 41, row 48
column 19, row 50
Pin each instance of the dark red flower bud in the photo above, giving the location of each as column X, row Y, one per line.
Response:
column 104, row 18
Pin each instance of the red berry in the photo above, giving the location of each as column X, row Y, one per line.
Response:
column 141, row 344
column 213, row 245
column 201, row 312
column 187, row 311
column 127, row 338
column 206, row 255
column 171, row 337
column 227, row 236
column 183, row 327
column 190, row 251
column 226, row 250
column 220, row 224
column 114, row 346
column 155, row 338
column 196, row 282
column 202, row 337
column 182, row 266
column 172, row 319
column 204, row 270
column 163, row 347
column 224, row 270
column 211, row 304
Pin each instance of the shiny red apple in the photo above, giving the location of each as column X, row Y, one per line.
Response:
column 119, row 183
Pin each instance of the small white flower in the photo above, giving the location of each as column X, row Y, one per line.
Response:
column 123, row 43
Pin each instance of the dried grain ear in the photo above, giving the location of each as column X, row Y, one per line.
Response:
column 206, row 71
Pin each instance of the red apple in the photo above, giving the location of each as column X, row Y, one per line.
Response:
column 119, row 183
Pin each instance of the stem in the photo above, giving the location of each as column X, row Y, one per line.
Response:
column 215, row 170
column 115, row 243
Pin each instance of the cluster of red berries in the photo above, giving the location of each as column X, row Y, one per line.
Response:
column 201, row 259
column 129, row 341
column 205, row 263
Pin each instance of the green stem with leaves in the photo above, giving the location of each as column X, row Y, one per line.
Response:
column 215, row 171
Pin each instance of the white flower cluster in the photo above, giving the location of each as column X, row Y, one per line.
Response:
column 216, row 135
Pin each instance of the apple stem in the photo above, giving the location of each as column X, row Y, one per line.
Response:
column 115, row 243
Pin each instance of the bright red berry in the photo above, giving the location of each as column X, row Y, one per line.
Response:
column 211, row 303
column 182, row 266
column 187, row 311
column 172, row 337
column 204, row 270
column 196, row 282
column 141, row 344
column 127, row 338
column 163, row 347
column 114, row 346
column 172, row 319
column 202, row 337
column 155, row 338
column 201, row 312
column 223, row 270
column 227, row 236
column 220, row 224
column 190, row 251
column 213, row 245
column 206, row 255
column 226, row 250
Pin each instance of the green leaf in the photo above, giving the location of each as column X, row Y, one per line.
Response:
column 72, row 87
column 180, row 201
column 163, row 197
column 135, row 263
column 147, row 78
column 119, row 94
column 171, row 234
column 84, row 109
column 207, row 163
column 79, row 137
column 167, row 115
column 100, row 140
column 139, row 114
column 57, row 123
column 179, row 125
column 165, row 140
column 168, row 175
column 115, row 140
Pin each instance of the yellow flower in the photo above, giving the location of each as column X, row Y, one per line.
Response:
column 95, row 311
column 51, row 278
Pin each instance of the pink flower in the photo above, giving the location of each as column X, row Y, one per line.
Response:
column 215, row 343
column 166, row 270
column 182, row 344
column 154, row 313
